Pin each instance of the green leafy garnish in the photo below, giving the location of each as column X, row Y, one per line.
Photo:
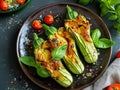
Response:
column 41, row 71
column 71, row 14
column 58, row 53
column 30, row 61
column 101, row 42
column 113, row 8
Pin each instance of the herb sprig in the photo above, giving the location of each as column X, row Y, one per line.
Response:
column 113, row 8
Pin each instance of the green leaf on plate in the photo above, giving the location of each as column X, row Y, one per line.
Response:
column 41, row 71
column 101, row 42
column 104, row 43
column 28, row 60
column 58, row 53
column 96, row 34
column 112, row 17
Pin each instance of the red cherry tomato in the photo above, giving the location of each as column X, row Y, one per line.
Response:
column 48, row 19
column 36, row 24
column 21, row 2
column 118, row 54
column 4, row 5
column 115, row 86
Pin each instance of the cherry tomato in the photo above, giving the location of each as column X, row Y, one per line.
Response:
column 21, row 2
column 118, row 54
column 48, row 19
column 4, row 5
column 115, row 86
column 36, row 24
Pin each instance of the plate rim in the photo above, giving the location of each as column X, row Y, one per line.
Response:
column 73, row 4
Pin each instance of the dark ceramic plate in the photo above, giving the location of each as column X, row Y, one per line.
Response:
column 16, row 8
column 58, row 10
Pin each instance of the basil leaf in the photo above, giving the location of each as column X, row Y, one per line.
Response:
column 118, row 11
column 104, row 9
column 37, row 41
column 41, row 71
column 58, row 53
column 117, row 26
column 104, row 43
column 96, row 34
column 100, row 42
column 75, row 13
column 71, row 14
column 28, row 60
column 112, row 17
column 114, row 2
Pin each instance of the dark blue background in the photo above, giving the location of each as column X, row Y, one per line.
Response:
column 11, row 75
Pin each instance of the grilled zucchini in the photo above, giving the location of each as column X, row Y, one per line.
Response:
column 61, row 37
column 54, row 67
column 80, row 30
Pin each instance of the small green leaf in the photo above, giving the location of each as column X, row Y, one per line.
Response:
column 96, row 34
column 104, row 43
column 75, row 13
column 114, row 2
column 104, row 9
column 58, row 53
column 101, row 42
column 118, row 12
column 28, row 60
column 70, row 13
column 112, row 17
column 117, row 26
column 41, row 71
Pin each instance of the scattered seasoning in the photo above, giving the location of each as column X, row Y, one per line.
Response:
column 84, row 77
column 57, row 19
column 82, row 74
column 88, row 74
column 12, row 82
column 13, row 21
column 90, row 70
column 41, row 16
column 79, row 78
column 27, row 41
column 38, row 31
column 26, row 84
column 77, row 75
column 17, row 81
column 11, row 88
column 101, row 67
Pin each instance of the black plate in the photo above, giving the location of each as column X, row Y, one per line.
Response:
column 58, row 10
column 16, row 8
